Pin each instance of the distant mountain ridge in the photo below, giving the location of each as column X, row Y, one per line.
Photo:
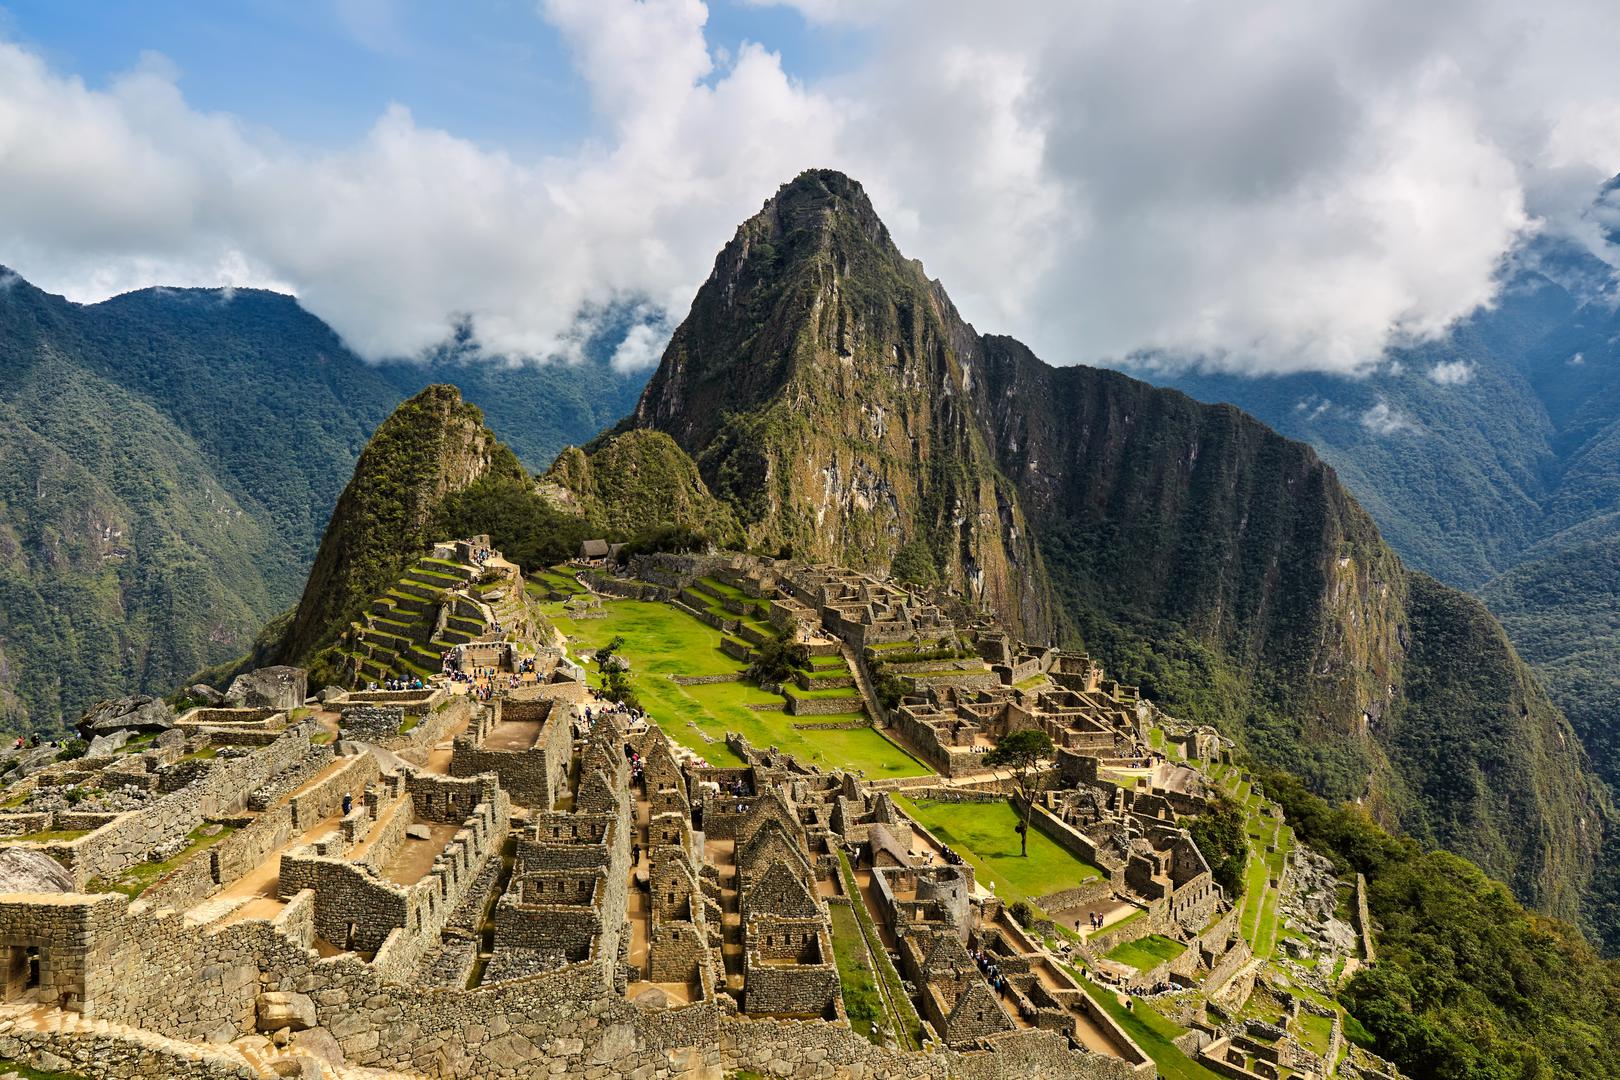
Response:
column 1491, row 459
column 829, row 392
column 168, row 461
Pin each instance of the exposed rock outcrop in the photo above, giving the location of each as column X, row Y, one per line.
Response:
column 279, row 687
column 135, row 712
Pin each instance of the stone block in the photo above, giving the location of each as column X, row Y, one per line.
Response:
column 279, row 1009
column 319, row 1042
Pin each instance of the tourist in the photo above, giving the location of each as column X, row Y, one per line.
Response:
column 348, row 803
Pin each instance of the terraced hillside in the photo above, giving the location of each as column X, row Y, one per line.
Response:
column 440, row 602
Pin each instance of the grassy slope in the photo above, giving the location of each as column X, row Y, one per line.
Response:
column 983, row 834
column 661, row 640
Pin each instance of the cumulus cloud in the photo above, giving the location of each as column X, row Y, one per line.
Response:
column 1253, row 186
column 1384, row 419
column 1452, row 373
column 641, row 346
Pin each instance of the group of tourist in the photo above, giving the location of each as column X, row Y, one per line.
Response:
column 397, row 684
column 1096, row 918
column 633, row 756
column 951, row 857
column 32, row 740
column 990, row 970
column 480, row 556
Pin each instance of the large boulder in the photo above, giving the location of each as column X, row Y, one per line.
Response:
column 206, row 694
column 319, row 1042
column 134, row 712
column 107, row 745
column 25, row 871
column 281, row 1009
column 34, row 759
column 280, row 687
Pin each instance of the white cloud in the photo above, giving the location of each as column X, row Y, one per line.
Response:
column 834, row 11
column 1262, row 186
column 1452, row 373
column 642, row 347
column 1577, row 360
column 1385, row 419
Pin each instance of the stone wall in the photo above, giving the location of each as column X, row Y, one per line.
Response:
column 568, row 1023
column 357, row 909
column 1364, row 921
column 1065, row 835
column 802, row 706
column 535, row 776
column 372, row 723
column 109, row 1056
column 219, row 791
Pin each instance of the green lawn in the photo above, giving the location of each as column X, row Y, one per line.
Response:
column 661, row 640
column 1151, row 1031
column 1316, row 1032
column 862, row 1001
column 1147, row 953
column 984, row 834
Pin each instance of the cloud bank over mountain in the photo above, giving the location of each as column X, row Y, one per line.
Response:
column 1264, row 186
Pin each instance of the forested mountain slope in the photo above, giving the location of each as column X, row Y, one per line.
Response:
column 1491, row 459
column 168, row 460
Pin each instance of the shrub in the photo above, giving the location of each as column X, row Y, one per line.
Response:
column 1022, row 913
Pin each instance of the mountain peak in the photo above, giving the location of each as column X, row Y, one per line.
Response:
column 819, row 188
column 432, row 446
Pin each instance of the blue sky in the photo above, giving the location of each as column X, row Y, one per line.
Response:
column 493, row 71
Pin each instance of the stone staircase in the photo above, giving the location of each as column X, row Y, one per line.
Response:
column 84, row 1041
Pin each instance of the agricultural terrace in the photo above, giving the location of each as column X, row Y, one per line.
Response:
column 985, row 834
column 1270, row 841
column 660, row 640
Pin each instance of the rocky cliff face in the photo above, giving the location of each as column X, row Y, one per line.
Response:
column 433, row 446
column 824, row 386
column 830, row 392
column 1226, row 569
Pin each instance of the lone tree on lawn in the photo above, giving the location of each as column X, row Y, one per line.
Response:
column 1022, row 752
column 610, row 666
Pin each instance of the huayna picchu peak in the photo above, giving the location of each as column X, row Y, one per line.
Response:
column 830, row 392
column 874, row 700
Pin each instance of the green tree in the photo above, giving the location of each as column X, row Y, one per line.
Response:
column 1219, row 834
column 1022, row 752
column 609, row 664
column 777, row 659
column 520, row 524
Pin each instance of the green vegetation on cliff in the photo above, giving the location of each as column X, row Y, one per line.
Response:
column 1468, row 984
column 432, row 447
column 821, row 383
column 630, row 483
